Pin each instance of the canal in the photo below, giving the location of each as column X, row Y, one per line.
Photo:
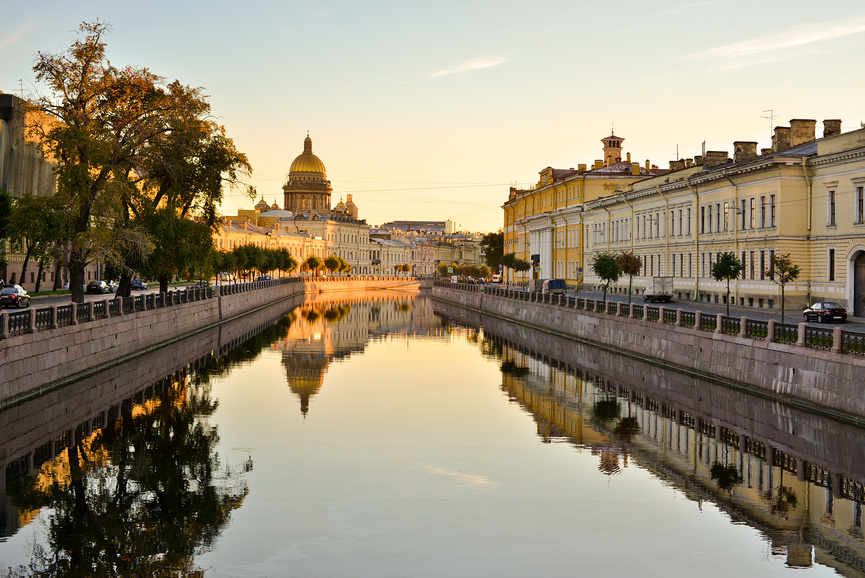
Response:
column 390, row 435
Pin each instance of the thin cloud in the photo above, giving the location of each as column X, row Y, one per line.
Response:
column 16, row 36
column 801, row 35
column 472, row 65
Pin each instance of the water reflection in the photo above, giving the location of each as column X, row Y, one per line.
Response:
column 795, row 477
column 139, row 497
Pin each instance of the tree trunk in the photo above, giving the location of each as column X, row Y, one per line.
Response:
column 39, row 275
column 163, row 282
column 77, row 263
column 630, row 285
column 782, row 303
column 58, row 269
column 24, row 267
column 728, row 297
column 124, row 288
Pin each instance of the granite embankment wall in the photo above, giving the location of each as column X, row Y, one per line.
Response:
column 32, row 364
column 828, row 382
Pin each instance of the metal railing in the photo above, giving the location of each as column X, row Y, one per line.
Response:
column 731, row 325
column 785, row 333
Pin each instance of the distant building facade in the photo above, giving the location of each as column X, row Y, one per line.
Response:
column 804, row 196
column 544, row 224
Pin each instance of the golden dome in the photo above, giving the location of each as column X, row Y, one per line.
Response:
column 307, row 162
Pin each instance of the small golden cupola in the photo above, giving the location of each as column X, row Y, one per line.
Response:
column 612, row 149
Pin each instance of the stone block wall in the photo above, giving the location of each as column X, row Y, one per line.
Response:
column 824, row 380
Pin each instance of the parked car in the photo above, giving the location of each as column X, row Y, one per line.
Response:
column 98, row 287
column 201, row 284
column 14, row 296
column 264, row 278
column 138, row 284
column 825, row 312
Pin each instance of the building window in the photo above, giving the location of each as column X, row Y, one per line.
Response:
column 830, row 208
column 680, row 222
column 688, row 222
column 771, row 210
column 742, row 213
column 717, row 217
column 752, row 216
column 744, row 264
column 752, row 265
column 703, row 219
column 762, row 212
column 860, row 204
column 762, row 264
column 831, row 264
column 657, row 224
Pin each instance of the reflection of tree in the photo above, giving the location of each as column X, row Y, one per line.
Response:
column 784, row 501
column 247, row 351
column 727, row 476
column 606, row 409
column 511, row 368
column 141, row 498
column 626, row 429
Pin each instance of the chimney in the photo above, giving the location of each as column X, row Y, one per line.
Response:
column 677, row 165
column 629, row 157
column 635, row 168
column 581, row 167
column 599, row 164
column 715, row 158
column 781, row 139
column 689, row 163
column 647, row 164
column 803, row 130
column 698, row 159
column 744, row 150
column 766, row 151
column 831, row 127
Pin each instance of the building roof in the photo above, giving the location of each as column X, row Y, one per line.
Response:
column 307, row 162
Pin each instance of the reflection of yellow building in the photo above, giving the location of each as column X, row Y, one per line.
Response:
column 329, row 328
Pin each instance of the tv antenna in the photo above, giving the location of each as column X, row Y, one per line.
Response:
column 771, row 118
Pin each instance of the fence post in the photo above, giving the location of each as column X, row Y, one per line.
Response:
column 619, row 309
column 743, row 327
column 698, row 320
column 4, row 324
column 630, row 310
column 800, row 338
column 91, row 311
column 837, row 340
column 53, row 324
column 678, row 317
column 74, row 320
column 661, row 310
column 719, row 323
column 770, row 331
column 32, row 325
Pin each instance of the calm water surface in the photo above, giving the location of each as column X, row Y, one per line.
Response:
column 374, row 438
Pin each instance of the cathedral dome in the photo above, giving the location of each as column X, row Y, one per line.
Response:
column 307, row 162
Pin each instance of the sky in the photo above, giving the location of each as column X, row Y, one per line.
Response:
column 433, row 110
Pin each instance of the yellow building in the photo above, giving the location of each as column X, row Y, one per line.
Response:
column 543, row 224
column 804, row 197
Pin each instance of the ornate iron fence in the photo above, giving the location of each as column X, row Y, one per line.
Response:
column 638, row 311
column 731, row 325
column 19, row 322
column 708, row 322
column 670, row 316
column 853, row 343
column 100, row 311
column 64, row 315
column 689, row 318
column 785, row 333
column 114, row 307
column 756, row 329
column 43, row 318
column 652, row 313
column 819, row 338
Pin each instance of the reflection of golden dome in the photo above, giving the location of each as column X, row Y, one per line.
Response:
column 307, row 162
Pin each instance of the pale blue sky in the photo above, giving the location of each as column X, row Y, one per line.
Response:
column 431, row 110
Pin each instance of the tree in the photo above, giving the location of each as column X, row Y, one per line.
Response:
column 782, row 271
column 5, row 213
column 443, row 269
column 313, row 264
column 727, row 267
column 493, row 245
column 102, row 125
column 331, row 263
column 606, row 267
column 406, row 268
column 520, row 265
column 630, row 265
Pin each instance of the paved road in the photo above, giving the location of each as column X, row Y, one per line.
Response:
column 856, row 324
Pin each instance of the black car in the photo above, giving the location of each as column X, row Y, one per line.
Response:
column 14, row 296
column 825, row 312
column 99, row 287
